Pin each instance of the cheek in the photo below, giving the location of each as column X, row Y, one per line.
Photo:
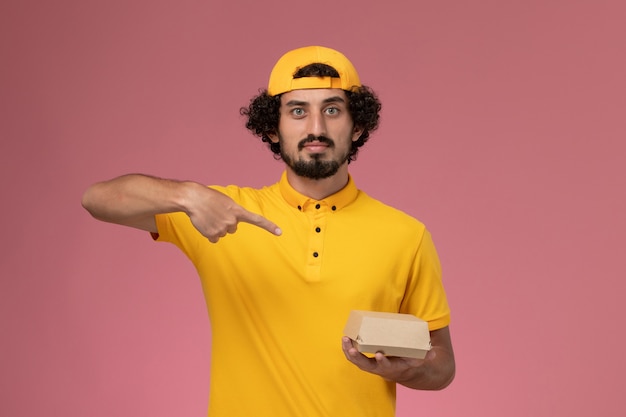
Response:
column 292, row 133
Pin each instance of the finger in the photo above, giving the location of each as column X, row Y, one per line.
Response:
column 260, row 221
column 382, row 360
column 214, row 238
column 356, row 357
column 348, row 348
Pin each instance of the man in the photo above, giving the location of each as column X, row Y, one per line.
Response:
column 283, row 266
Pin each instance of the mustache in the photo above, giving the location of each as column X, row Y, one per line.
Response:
column 313, row 138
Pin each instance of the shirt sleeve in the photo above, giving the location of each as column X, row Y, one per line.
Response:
column 176, row 228
column 425, row 296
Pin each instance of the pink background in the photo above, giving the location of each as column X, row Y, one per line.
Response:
column 504, row 128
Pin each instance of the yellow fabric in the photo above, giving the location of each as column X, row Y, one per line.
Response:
column 281, row 78
column 277, row 311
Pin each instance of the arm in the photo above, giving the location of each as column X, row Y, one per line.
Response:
column 133, row 200
column 434, row 372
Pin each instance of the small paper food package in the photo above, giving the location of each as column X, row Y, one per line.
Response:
column 393, row 334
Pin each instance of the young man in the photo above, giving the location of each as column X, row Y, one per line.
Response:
column 283, row 266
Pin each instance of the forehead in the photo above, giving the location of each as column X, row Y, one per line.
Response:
column 313, row 95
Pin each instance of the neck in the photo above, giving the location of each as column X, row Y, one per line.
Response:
column 319, row 189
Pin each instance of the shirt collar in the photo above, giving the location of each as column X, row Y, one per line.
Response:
column 335, row 202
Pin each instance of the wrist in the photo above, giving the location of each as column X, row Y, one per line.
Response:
column 186, row 196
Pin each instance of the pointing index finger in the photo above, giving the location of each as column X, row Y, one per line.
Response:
column 260, row 221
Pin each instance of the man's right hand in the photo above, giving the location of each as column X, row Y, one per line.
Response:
column 215, row 214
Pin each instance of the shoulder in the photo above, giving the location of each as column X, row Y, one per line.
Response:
column 384, row 220
column 249, row 196
column 385, row 212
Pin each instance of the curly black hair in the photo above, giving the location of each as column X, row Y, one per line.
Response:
column 263, row 111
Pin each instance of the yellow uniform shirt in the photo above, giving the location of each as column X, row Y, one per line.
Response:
column 278, row 304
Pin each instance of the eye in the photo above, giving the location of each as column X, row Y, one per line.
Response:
column 332, row 111
column 298, row 112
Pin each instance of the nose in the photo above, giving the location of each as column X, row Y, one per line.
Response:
column 317, row 124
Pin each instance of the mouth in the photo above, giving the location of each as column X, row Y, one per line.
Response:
column 315, row 144
column 316, row 147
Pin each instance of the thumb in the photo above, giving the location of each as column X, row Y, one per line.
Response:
column 260, row 221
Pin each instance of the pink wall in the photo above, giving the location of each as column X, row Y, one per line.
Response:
column 504, row 130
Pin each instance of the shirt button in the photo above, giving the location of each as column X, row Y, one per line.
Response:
column 317, row 206
column 315, row 254
column 317, row 229
column 334, row 208
column 299, row 208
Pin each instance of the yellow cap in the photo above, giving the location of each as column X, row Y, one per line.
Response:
column 282, row 81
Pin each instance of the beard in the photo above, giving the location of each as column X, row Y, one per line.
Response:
column 316, row 168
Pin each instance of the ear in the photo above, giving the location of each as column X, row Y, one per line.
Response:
column 273, row 137
column 356, row 133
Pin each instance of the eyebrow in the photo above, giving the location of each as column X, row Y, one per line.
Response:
column 333, row 99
